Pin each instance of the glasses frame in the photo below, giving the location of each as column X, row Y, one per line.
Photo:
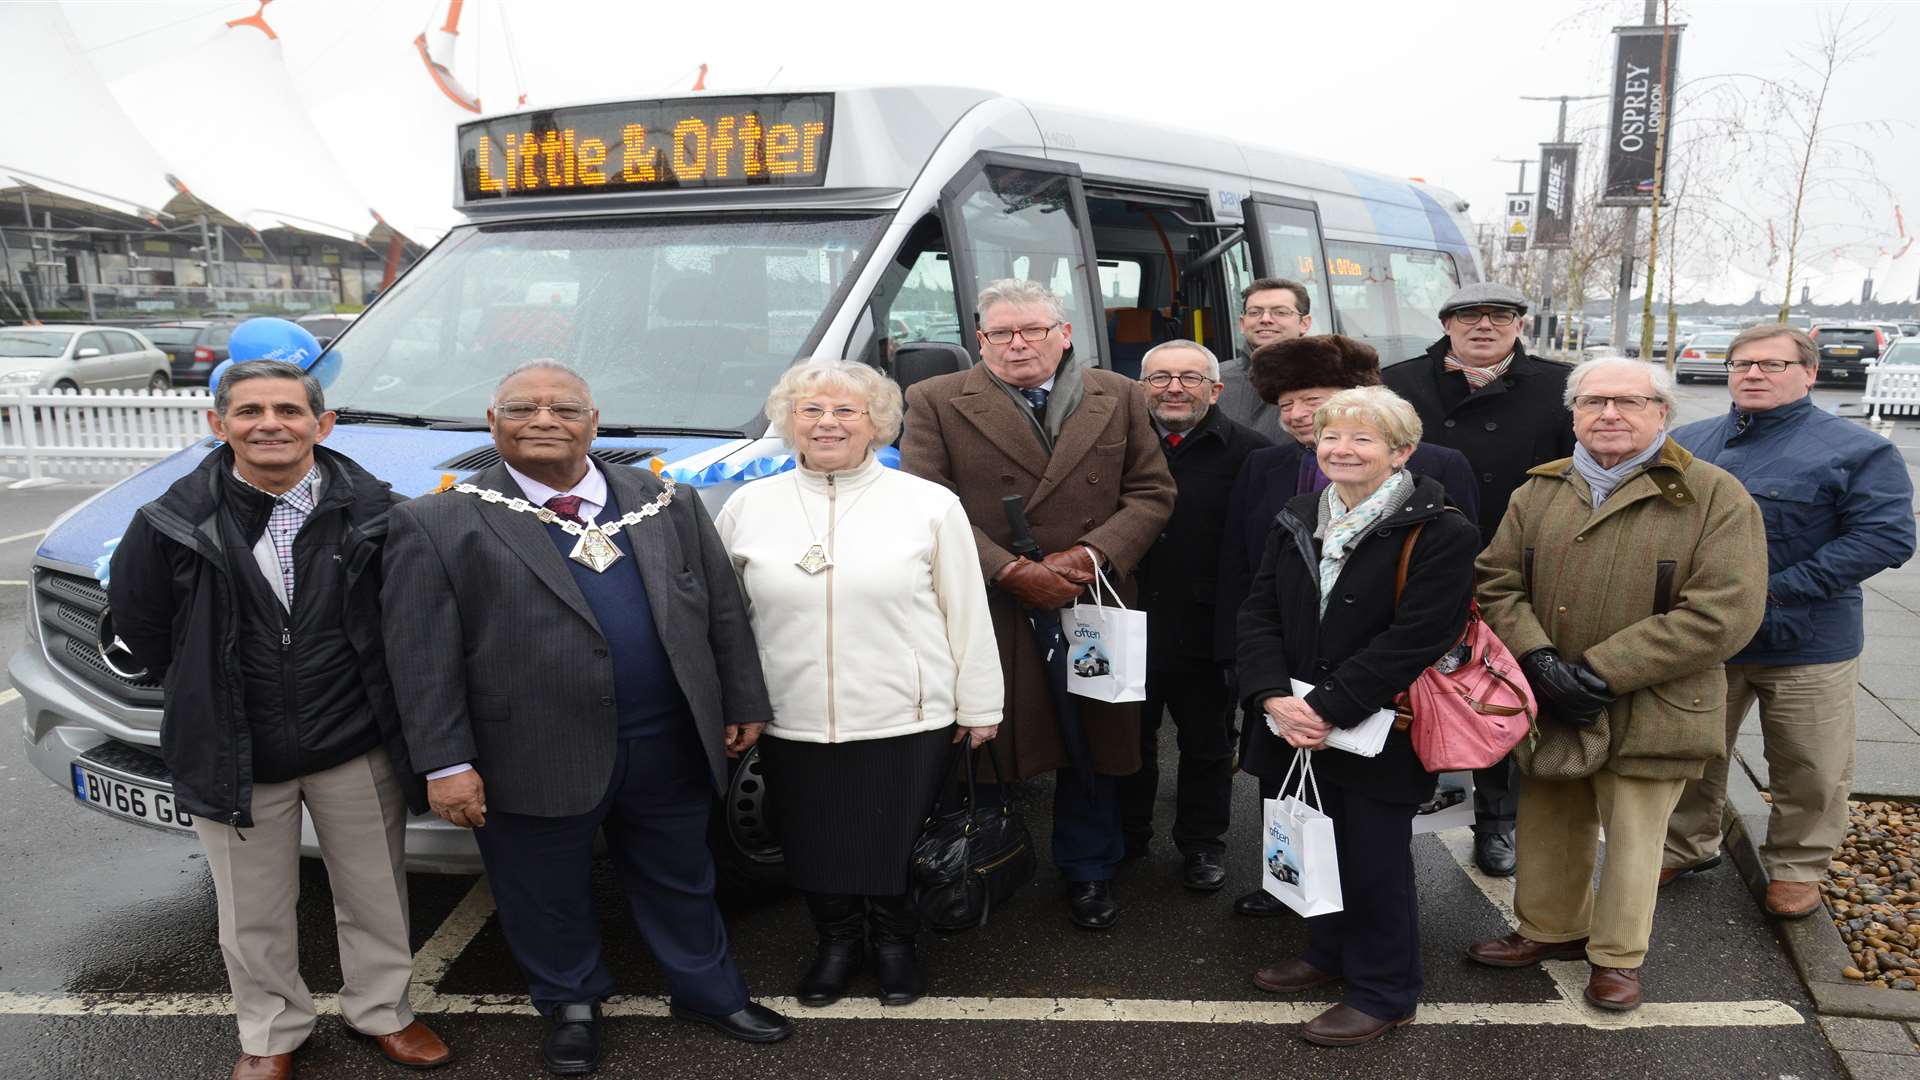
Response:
column 852, row 413
column 500, row 410
column 1762, row 365
column 1617, row 401
column 1167, row 379
column 1025, row 333
column 1492, row 318
column 1276, row 312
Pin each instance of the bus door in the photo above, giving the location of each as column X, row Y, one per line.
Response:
column 1009, row 216
column 1285, row 236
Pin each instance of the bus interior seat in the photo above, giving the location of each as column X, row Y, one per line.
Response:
column 1132, row 331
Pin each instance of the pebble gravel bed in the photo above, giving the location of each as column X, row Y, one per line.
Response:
column 1873, row 892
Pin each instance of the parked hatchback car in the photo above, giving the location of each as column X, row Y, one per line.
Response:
column 1847, row 349
column 193, row 346
column 1704, row 356
column 35, row 358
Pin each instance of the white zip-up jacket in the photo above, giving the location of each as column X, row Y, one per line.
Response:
column 894, row 637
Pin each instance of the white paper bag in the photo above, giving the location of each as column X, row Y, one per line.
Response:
column 1106, row 646
column 1365, row 738
column 1298, row 865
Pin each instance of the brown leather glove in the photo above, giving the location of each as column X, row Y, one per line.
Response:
column 1072, row 564
column 1036, row 586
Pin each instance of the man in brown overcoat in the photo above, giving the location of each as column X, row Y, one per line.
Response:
column 1078, row 444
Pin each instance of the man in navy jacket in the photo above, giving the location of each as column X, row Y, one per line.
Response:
column 1839, row 509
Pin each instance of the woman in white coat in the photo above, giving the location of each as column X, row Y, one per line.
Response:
column 864, row 588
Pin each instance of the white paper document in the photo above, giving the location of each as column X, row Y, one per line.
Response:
column 1365, row 738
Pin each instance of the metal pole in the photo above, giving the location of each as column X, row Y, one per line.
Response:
column 1629, row 235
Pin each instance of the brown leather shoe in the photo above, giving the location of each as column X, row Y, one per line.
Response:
column 1342, row 1026
column 1291, row 977
column 271, row 1067
column 1793, row 899
column 1672, row 873
column 1614, row 989
column 414, row 1046
column 1514, row 951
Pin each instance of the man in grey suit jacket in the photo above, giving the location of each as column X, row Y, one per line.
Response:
column 570, row 650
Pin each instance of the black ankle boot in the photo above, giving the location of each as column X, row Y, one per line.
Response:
column 893, row 923
column 841, row 922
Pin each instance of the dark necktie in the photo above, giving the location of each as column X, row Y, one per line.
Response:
column 1173, row 439
column 567, row 506
column 1036, row 397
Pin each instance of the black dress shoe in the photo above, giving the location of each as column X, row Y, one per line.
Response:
column 1259, row 903
column 572, row 1046
column 756, row 1023
column 1493, row 853
column 1204, row 872
column 1091, row 904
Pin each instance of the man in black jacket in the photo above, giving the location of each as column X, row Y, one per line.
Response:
column 1204, row 450
column 252, row 587
column 1476, row 390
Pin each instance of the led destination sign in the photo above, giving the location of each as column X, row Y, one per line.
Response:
column 685, row 143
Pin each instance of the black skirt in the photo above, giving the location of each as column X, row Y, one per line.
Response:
column 848, row 813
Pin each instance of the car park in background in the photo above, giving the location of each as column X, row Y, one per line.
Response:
column 194, row 347
column 324, row 328
column 41, row 358
column 1906, row 351
column 1847, row 350
column 1704, row 356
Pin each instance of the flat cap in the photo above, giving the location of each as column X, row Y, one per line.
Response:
column 1485, row 294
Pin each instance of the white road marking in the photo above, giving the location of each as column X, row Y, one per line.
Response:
column 11, row 582
column 987, row 1009
column 22, row 536
column 456, row 932
column 9, row 696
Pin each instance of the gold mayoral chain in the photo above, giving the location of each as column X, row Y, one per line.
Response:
column 594, row 548
column 816, row 559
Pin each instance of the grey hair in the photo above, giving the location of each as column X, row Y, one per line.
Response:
column 885, row 407
column 1657, row 377
column 1016, row 291
column 1375, row 406
column 545, row 363
column 1213, row 362
column 267, row 369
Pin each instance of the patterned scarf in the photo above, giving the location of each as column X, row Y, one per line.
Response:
column 1478, row 377
column 1604, row 481
column 1341, row 527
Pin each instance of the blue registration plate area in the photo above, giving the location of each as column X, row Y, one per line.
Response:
column 124, row 799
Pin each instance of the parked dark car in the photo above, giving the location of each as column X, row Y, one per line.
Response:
column 194, row 346
column 1846, row 350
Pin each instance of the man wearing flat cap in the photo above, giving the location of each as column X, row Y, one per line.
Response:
column 1479, row 392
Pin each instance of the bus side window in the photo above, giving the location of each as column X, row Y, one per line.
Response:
column 1389, row 296
column 914, row 301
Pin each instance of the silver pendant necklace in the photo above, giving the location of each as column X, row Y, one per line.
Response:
column 593, row 545
column 815, row 559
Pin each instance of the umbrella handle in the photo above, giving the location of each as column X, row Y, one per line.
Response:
column 1023, row 543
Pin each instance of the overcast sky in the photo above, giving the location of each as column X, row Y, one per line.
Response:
column 1426, row 88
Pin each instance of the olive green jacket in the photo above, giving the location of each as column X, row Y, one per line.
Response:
column 1653, row 590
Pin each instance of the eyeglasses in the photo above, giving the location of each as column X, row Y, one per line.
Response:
column 566, row 411
column 1276, row 312
column 1771, row 367
column 1191, row 380
column 1498, row 317
column 844, row 413
column 1625, row 403
column 1027, row 333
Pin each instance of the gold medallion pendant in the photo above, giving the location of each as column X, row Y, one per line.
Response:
column 815, row 560
column 594, row 551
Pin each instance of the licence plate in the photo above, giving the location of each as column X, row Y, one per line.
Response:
column 1844, row 352
column 135, row 802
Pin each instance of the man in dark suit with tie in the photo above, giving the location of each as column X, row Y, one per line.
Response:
column 571, row 651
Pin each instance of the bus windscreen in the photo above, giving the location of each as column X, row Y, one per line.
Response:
column 776, row 140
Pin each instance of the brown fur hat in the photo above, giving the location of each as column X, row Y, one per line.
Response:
column 1302, row 363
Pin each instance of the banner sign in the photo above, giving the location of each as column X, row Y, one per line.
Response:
column 1553, row 217
column 1640, row 107
column 1519, row 221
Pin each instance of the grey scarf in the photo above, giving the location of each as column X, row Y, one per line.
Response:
column 1061, row 401
column 1603, row 480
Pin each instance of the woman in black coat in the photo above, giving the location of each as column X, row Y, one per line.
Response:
column 1322, row 611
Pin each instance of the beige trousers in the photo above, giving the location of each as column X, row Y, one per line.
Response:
column 1807, row 722
column 359, row 814
column 1557, row 843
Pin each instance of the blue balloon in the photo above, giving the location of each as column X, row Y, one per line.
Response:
column 269, row 339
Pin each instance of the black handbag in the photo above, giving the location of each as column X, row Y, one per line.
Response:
column 970, row 860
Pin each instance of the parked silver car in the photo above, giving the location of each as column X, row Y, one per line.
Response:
column 1704, row 356
column 40, row 358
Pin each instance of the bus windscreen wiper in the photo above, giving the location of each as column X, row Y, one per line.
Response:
column 629, row 431
column 376, row 416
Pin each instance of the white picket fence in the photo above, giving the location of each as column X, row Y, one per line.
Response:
column 95, row 434
column 1891, row 391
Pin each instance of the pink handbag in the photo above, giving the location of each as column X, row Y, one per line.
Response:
column 1475, row 712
